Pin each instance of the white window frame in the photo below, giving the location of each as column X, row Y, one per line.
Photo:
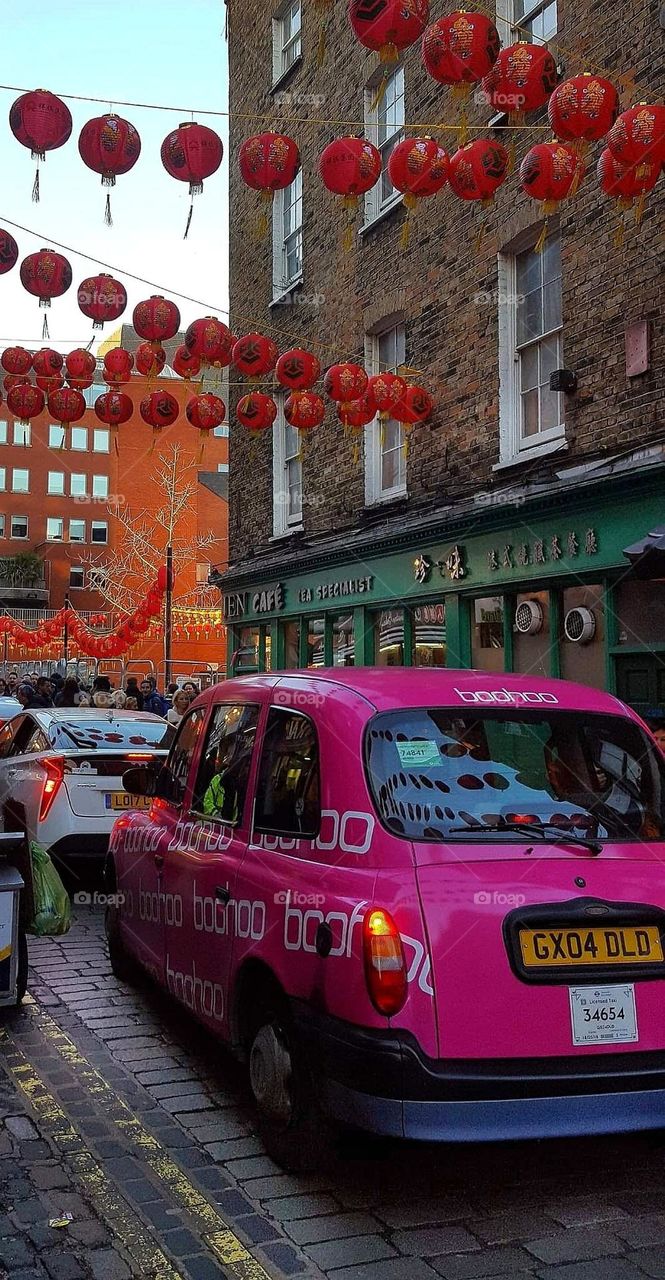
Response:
column 78, row 569
column 3, row 525
column 20, row 471
column 100, row 482
column 512, row 445
column 74, row 487
column 223, row 468
column 22, row 434
column 374, row 490
column 283, row 455
column 512, row 29
column 55, row 492
column 3, row 479
column 75, row 520
column 79, row 448
column 99, row 524
column 101, row 437
column 55, row 537
column 56, row 435
column 286, row 42
column 376, row 205
column 3, row 431
column 19, row 537
column 289, row 198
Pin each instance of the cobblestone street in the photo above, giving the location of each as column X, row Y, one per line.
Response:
column 118, row 1109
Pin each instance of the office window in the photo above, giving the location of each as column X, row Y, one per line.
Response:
column 20, row 480
column 98, row 578
column 19, row 527
column 56, row 436
column 77, row 576
column 384, row 126
column 287, row 475
column 2, row 525
column 56, row 482
column 78, row 485
column 100, row 486
column 286, row 39
column 79, row 437
column 22, row 433
column 3, row 479
column 55, row 529
column 223, row 468
column 287, row 237
column 100, row 440
column 93, row 393
column 99, row 531
column 385, row 455
column 222, row 431
column 531, row 19
column 203, row 572
column 77, row 530
column 530, row 348
column 3, row 431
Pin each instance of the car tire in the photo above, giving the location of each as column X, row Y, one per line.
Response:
column 290, row 1123
column 123, row 965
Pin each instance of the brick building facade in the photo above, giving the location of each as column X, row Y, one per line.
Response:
column 515, row 504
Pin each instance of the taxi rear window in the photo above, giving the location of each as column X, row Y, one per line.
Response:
column 441, row 774
column 107, row 734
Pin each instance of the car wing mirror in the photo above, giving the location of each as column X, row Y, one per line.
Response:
column 141, row 780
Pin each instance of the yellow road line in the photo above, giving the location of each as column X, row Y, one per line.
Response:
column 123, row 1222
column 222, row 1241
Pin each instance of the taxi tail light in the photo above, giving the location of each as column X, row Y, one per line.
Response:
column 54, row 773
column 385, row 966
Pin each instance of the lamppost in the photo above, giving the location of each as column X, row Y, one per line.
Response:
column 168, row 616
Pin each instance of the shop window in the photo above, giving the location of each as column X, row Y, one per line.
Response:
column 531, row 634
column 487, row 640
column 640, row 612
column 583, row 635
column 384, row 126
column 429, row 635
column 315, row 641
column 287, row 242
column 291, row 643
column 287, row 475
column 389, row 638
column 385, row 454
column 246, row 656
column 343, row 641
column 223, row 776
column 530, row 349
column 180, row 757
column 267, row 648
column 286, row 39
column 288, row 790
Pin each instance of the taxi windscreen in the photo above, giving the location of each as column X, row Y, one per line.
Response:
column 442, row 774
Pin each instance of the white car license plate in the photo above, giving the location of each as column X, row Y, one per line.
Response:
column 603, row 1015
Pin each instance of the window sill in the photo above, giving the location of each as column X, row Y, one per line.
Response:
column 286, row 75
column 288, row 533
column 280, row 299
column 387, row 499
column 384, row 213
column 560, row 445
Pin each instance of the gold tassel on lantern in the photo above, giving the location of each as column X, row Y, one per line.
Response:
column 411, row 203
column 264, row 216
column 323, row 9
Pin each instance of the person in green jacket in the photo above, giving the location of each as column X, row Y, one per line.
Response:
column 221, row 798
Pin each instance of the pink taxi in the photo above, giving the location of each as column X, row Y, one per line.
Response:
column 426, row 904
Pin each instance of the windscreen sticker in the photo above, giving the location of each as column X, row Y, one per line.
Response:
column 426, row 754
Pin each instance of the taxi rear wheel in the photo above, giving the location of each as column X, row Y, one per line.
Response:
column 290, row 1124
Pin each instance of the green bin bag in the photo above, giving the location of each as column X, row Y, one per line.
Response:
column 53, row 913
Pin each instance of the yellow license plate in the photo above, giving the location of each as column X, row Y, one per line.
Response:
column 598, row 946
column 123, row 800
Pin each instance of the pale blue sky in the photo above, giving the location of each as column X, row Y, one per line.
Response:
column 161, row 51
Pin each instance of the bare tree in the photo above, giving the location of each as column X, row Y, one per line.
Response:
column 122, row 572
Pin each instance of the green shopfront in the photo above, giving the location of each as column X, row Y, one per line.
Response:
column 542, row 588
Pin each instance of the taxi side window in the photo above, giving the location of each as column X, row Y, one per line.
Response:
column 23, row 732
column 288, row 789
column 223, row 777
column 173, row 778
column 7, row 735
column 37, row 741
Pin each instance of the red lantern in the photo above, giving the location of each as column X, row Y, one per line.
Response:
column 345, row 383
column 149, row 359
column 206, row 412
column 16, row 360
column 15, row 380
column 46, row 275
column 185, row 363
column 521, row 79
column 418, row 404
column 210, row 340
column 47, row 363
column 269, row 162
column 50, row 382
column 627, row 184
column 81, row 366
column 160, row 409
column 460, row 48
column 549, row 172
column 8, row 252
column 254, row 356
column 25, row 401
column 388, row 391
column 583, row 108
column 102, row 298
column 304, row 410
column 638, row 136
column 297, row 369
column 256, row 411
column 418, row 167
column 156, row 319
column 388, row 26
column 66, row 405
column 478, row 169
column 192, row 153
column 350, row 167
column 41, row 121
column 109, row 146
column 118, row 365
column 359, row 413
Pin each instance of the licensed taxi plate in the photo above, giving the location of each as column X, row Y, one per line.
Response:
column 595, row 947
column 123, row 800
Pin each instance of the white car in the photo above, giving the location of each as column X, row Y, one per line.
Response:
column 8, row 707
column 61, row 774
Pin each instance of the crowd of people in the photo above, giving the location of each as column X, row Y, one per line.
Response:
column 35, row 691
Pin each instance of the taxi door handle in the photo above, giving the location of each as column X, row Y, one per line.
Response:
column 222, row 893
column 159, row 861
